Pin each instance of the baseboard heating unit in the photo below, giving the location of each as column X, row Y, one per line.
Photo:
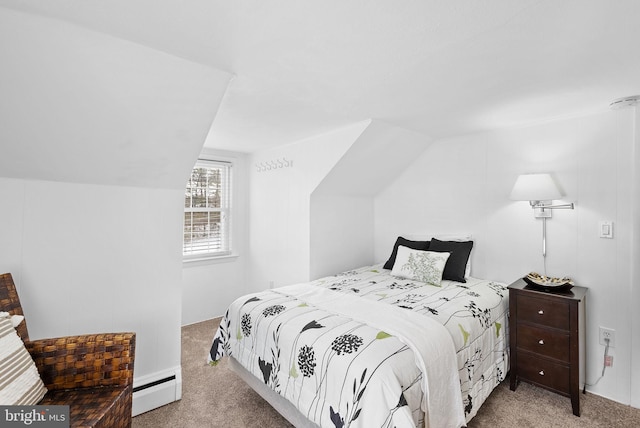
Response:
column 157, row 389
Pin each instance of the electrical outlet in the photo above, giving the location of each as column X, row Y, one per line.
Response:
column 607, row 333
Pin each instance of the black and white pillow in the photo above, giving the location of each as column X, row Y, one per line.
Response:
column 415, row 245
column 423, row 266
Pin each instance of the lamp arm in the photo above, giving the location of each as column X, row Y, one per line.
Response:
column 561, row 206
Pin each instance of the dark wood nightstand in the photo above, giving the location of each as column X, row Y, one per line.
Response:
column 546, row 336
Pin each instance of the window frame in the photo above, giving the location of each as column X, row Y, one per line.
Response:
column 225, row 211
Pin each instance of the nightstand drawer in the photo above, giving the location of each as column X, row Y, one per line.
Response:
column 542, row 341
column 542, row 311
column 538, row 370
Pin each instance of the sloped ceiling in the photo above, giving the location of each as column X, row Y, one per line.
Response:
column 438, row 67
column 81, row 106
column 374, row 160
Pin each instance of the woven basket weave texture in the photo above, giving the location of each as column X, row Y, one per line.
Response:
column 93, row 374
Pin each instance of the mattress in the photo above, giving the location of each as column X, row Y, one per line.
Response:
column 364, row 348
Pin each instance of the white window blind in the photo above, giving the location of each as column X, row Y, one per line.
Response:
column 207, row 210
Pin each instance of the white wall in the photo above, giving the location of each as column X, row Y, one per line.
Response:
column 463, row 185
column 97, row 139
column 209, row 286
column 341, row 237
column 635, row 269
column 280, row 205
column 342, row 214
column 92, row 258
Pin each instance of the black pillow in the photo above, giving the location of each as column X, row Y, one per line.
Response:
column 457, row 262
column 414, row 245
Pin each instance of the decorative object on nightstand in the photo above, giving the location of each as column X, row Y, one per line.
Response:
column 547, row 283
column 546, row 338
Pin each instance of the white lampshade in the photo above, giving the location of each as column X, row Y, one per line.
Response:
column 535, row 187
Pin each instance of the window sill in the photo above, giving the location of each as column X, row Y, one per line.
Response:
column 209, row 260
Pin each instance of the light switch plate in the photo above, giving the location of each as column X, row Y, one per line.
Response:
column 605, row 229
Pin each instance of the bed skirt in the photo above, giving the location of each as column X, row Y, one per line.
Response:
column 281, row 405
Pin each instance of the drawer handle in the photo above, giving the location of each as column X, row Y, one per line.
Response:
column 541, row 372
column 541, row 342
column 541, row 312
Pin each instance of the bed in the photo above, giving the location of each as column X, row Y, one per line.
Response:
column 388, row 345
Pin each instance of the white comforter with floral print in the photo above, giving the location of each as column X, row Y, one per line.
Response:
column 365, row 349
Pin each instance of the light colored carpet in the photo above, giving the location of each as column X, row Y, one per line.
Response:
column 216, row 397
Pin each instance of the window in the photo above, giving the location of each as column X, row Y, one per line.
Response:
column 206, row 210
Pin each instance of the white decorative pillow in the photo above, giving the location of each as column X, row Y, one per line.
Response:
column 424, row 266
column 20, row 382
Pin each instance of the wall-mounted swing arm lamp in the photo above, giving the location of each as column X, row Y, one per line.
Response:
column 540, row 190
